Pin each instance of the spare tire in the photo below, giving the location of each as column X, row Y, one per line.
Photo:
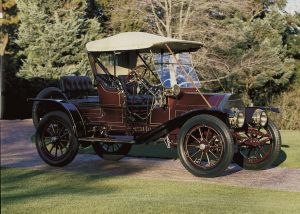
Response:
column 47, row 93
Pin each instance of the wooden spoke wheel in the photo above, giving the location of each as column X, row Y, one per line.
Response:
column 55, row 140
column 260, row 147
column 205, row 146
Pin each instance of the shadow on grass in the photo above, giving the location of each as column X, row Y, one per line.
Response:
column 163, row 153
column 153, row 151
column 282, row 157
column 45, row 184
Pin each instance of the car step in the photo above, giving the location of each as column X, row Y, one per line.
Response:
column 105, row 140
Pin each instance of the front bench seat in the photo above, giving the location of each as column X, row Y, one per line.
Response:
column 77, row 89
column 134, row 99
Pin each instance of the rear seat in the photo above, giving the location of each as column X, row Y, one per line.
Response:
column 77, row 89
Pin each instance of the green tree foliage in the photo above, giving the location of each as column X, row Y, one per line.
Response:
column 245, row 47
column 52, row 35
column 8, row 24
column 122, row 15
column 293, row 36
column 260, row 66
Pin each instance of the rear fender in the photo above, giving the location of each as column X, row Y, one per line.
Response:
column 48, row 105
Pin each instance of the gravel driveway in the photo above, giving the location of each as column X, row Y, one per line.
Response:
column 18, row 151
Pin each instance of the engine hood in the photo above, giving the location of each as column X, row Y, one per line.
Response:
column 223, row 101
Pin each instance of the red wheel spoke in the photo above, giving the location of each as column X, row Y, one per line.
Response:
column 213, row 154
column 200, row 132
column 195, row 138
column 195, row 153
column 193, row 145
column 207, row 158
column 264, row 141
column 207, row 133
column 200, row 159
column 257, row 154
column 261, row 149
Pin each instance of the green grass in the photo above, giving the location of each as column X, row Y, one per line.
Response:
column 32, row 191
column 290, row 150
column 289, row 155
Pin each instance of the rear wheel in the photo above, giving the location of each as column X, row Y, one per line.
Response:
column 205, row 146
column 111, row 151
column 55, row 139
column 265, row 148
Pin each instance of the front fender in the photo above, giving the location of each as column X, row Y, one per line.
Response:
column 167, row 127
column 48, row 105
column 266, row 108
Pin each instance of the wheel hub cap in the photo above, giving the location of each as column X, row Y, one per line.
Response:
column 202, row 146
column 54, row 139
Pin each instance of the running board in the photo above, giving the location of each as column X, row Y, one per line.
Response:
column 105, row 140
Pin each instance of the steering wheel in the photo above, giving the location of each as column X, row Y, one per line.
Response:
column 136, row 74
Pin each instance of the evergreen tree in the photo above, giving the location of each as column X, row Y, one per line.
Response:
column 265, row 68
column 53, row 35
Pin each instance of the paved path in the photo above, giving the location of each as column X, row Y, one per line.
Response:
column 18, row 151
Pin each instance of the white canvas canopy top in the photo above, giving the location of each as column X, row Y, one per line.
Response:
column 142, row 42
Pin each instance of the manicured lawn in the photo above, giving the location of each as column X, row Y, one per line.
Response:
column 289, row 156
column 30, row 191
column 290, row 150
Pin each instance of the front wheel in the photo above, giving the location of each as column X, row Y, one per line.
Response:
column 55, row 139
column 260, row 148
column 205, row 146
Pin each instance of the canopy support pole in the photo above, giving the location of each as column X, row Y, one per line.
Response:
column 115, row 70
column 187, row 74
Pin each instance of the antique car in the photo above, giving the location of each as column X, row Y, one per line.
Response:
column 143, row 89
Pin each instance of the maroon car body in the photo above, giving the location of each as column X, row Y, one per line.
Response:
column 114, row 112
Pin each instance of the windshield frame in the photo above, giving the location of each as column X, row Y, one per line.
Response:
column 180, row 72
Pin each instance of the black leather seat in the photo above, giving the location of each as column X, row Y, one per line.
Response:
column 77, row 89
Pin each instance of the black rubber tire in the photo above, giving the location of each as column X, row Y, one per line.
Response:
column 74, row 145
column 222, row 130
column 111, row 156
column 267, row 163
column 50, row 92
